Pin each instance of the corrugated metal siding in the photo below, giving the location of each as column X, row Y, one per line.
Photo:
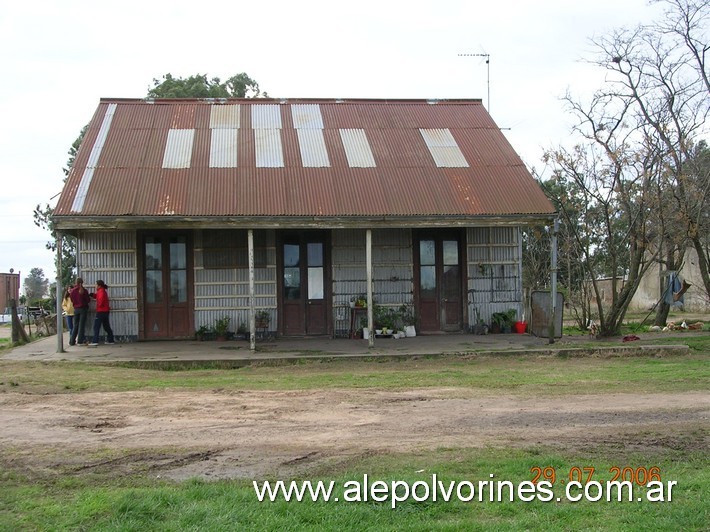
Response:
column 357, row 148
column 178, row 148
column 93, row 160
column 443, row 148
column 494, row 274
column 221, row 292
column 225, row 116
column 306, row 116
column 265, row 116
column 223, row 148
column 285, row 137
column 392, row 270
column 269, row 153
column 312, row 147
column 111, row 257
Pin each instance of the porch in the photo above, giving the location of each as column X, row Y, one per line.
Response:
column 288, row 350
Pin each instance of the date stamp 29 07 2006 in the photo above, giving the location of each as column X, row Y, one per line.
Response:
column 580, row 482
column 586, row 474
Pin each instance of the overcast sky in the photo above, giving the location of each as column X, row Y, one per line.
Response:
column 60, row 58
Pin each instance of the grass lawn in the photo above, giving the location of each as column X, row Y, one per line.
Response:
column 35, row 498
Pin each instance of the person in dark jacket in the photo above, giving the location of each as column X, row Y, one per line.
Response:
column 80, row 300
column 102, row 311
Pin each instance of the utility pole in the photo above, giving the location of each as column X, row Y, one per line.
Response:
column 553, row 281
column 488, row 75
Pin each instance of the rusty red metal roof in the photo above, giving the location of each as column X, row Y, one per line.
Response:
column 295, row 158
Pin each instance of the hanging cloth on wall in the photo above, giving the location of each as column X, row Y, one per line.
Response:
column 675, row 290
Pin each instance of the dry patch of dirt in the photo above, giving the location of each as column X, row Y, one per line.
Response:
column 251, row 434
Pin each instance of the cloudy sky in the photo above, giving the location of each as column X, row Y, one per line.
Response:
column 60, row 58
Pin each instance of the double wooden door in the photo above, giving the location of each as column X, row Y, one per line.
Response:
column 439, row 281
column 167, row 285
column 304, row 264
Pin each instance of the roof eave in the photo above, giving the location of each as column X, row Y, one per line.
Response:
column 68, row 224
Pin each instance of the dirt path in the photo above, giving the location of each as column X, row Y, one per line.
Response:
column 216, row 434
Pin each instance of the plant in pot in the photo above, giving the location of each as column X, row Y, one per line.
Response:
column 203, row 333
column 221, row 327
column 359, row 301
column 408, row 321
column 503, row 321
column 384, row 319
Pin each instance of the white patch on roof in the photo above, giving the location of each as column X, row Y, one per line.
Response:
column 178, row 148
column 88, row 174
column 265, row 116
column 269, row 153
column 357, row 148
column 223, row 148
column 443, row 148
column 314, row 154
column 306, row 116
column 224, row 116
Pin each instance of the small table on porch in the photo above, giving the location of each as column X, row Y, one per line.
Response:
column 355, row 314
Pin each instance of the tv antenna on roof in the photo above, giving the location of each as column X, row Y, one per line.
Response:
column 488, row 74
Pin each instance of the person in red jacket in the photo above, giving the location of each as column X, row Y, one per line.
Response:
column 102, row 311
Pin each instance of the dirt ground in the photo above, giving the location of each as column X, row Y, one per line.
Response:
column 181, row 434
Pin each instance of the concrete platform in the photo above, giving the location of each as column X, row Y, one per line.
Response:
column 237, row 352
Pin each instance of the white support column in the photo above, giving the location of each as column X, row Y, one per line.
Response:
column 252, row 301
column 60, row 297
column 368, row 265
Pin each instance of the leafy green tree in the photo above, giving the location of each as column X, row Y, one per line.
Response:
column 198, row 86
column 43, row 218
column 35, row 285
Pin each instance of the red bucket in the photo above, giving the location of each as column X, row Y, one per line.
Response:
column 520, row 326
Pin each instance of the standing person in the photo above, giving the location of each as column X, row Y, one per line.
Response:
column 102, row 312
column 80, row 300
column 68, row 309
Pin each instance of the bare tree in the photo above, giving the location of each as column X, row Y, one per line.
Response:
column 661, row 71
column 638, row 166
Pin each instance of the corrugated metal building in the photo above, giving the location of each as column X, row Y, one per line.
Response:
column 192, row 210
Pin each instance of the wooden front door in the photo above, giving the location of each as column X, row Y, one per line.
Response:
column 438, row 261
column 167, row 285
column 305, row 287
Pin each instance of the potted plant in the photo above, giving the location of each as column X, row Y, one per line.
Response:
column 221, row 327
column 503, row 321
column 203, row 333
column 384, row 319
column 360, row 301
column 408, row 321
